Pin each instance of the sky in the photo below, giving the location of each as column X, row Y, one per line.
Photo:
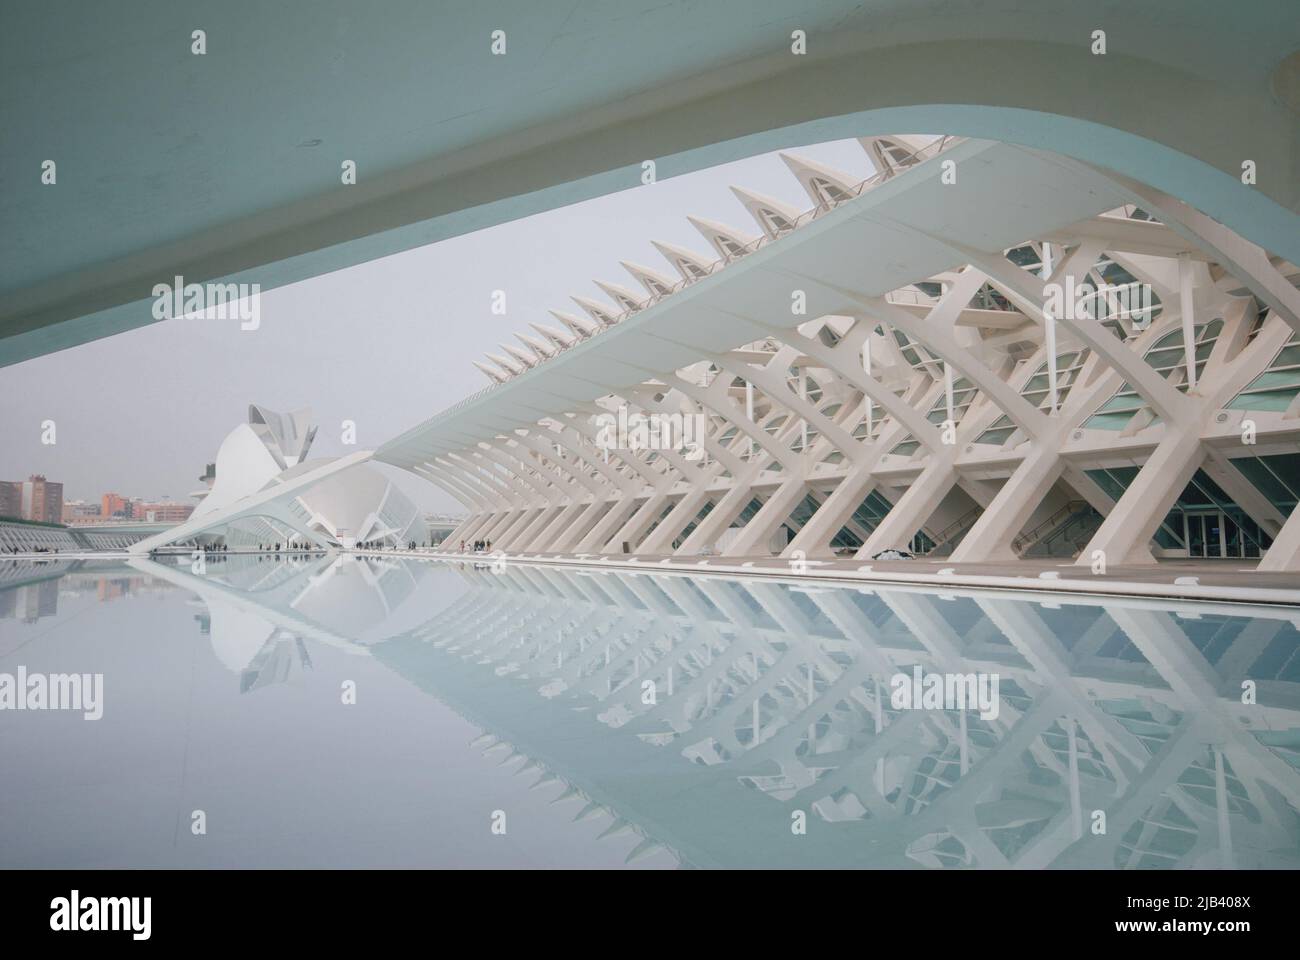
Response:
column 386, row 344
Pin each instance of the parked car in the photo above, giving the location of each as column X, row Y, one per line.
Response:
column 893, row 554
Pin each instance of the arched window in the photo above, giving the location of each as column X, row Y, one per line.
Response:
column 1168, row 358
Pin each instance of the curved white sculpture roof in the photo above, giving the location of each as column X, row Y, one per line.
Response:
column 262, row 476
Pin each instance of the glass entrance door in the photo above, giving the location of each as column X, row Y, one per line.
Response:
column 1195, row 539
column 1217, row 534
column 1231, row 537
column 1205, row 535
column 1213, row 534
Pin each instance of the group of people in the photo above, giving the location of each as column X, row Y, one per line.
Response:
column 290, row 546
column 262, row 547
column 480, row 546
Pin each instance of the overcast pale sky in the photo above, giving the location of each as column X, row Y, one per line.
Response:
column 385, row 344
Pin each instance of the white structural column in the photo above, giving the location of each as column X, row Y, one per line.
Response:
column 519, row 498
column 689, row 505
column 1122, row 537
column 561, row 475
column 814, row 538
column 478, row 505
column 1284, row 554
column 992, row 535
column 549, row 484
column 655, row 484
column 777, row 509
column 614, row 487
column 935, row 333
column 576, row 482
column 578, row 468
column 1186, row 307
column 715, row 398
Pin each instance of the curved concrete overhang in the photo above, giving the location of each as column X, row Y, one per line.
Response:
column 904, row 229
column 227, row 166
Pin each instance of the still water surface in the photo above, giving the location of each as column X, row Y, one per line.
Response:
column 607, row 719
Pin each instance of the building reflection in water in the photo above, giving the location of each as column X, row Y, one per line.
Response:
column 704, row 715
column 30, row 589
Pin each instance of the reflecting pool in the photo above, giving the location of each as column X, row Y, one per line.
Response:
column 337, row 711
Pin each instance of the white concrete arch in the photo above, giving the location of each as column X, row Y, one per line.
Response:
column 775, row 390
column 871, row 71
column 470, row 499
column 715, row 398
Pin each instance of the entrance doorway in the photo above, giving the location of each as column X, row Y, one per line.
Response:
column 1216, row 534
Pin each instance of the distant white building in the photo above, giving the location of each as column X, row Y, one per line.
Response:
column 264, row 491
